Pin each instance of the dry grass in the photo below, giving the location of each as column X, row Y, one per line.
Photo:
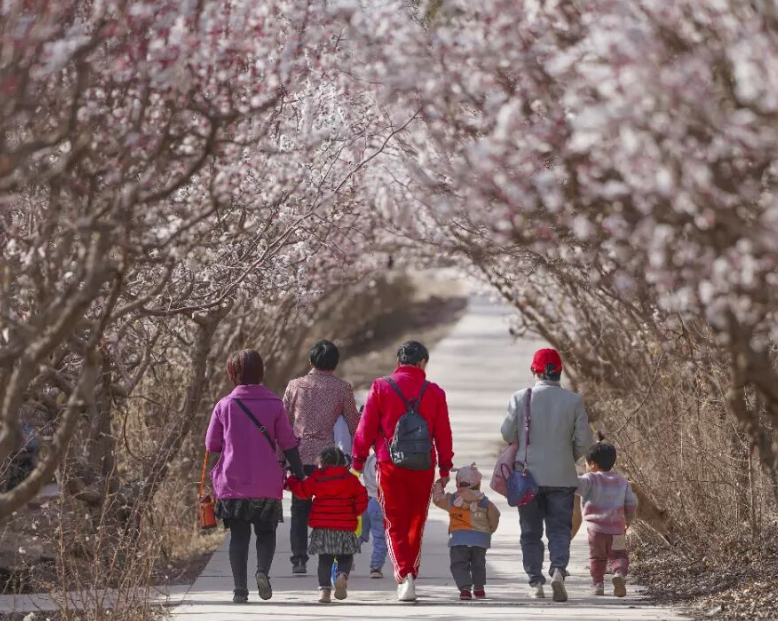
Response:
column 709, row 538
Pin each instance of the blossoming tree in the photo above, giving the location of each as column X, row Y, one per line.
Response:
column 163, row 166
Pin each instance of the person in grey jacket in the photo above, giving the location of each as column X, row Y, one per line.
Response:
column 559, row 436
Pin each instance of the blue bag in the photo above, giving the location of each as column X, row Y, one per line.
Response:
column 522, row 487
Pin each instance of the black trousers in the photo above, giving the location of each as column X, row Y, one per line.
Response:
column 240, row 538
column 468, row 567
column 298, row 531
column 345, row 563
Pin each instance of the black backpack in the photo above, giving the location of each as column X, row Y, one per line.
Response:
column 411, row 445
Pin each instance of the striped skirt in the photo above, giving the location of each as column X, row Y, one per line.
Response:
column 327, row 541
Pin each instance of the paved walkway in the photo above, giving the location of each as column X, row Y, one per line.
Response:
column 479, row 366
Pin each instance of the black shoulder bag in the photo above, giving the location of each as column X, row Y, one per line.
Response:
column 254, row 420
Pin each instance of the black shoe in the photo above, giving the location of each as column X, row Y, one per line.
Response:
column 240, row 598
column 299, row 568
column 263, row 585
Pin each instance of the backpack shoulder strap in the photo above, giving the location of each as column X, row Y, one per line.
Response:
column 396, row 388
column 408, row 405
column 423, row 390
column 254, row 420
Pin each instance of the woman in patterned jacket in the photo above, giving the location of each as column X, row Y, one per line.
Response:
column 314, row 403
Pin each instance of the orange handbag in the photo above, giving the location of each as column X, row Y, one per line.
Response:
column 205, row 508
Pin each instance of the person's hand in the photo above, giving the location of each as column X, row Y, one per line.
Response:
column 444, row 481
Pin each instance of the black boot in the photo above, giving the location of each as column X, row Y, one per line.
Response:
column 263, row 586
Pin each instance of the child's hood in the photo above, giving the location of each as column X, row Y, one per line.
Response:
column 334, row 481
column 470, row 497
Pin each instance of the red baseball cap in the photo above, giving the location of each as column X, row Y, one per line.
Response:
column 546, row 361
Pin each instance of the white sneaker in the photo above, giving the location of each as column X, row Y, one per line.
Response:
column 558, row 586
column 619, row 585
column 536, row 591
column 598, row 589
column 406, row 590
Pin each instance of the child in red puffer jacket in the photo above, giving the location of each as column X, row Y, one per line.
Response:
column 338, row 501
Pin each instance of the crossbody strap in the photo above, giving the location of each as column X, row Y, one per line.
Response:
column 527, row 423
column 254, row 420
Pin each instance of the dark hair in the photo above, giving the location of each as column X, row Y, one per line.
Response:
column 246, row 367
column 324, row 356
column 333, row 456
column 412, row 353
column 552, row 377
column 603, row 454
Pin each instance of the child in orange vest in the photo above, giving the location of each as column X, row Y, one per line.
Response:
column 472, row 520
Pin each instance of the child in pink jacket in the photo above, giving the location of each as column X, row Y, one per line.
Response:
column 609, row 506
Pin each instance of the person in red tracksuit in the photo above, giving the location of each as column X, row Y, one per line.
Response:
column 338, row 501
column 404, row 494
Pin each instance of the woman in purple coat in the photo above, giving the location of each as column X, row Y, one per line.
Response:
column 246, row 426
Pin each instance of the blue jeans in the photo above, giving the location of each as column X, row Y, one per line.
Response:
column 373, row 524
column 553, row 506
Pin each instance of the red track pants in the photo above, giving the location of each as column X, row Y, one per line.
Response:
column 405, row 498
column 603, row 548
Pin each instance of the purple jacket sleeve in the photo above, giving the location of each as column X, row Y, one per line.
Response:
column 283, row 432
column 214, row 437
column 584, row 486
